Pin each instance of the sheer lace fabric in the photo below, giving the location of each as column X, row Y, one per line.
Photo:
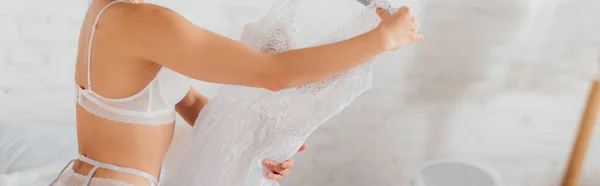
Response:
column 242, row 126
column 155, row 104
column 71, row 178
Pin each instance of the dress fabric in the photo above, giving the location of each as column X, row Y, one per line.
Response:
column 241, row 126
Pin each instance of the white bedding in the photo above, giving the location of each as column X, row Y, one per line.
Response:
column 38, row 176
column 34, row 154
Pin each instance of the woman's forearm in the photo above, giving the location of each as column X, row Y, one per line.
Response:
column 191, row 105
column 312, row 64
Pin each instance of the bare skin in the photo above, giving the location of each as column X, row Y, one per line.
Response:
column 133, row 41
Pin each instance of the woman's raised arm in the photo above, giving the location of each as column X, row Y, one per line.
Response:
column 167, row 38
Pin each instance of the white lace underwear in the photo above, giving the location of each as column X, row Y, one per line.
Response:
column 71, row 178
column 242, row 126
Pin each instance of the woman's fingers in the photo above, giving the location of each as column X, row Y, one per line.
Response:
column 382, row 13
column 274, row 176
column 302, row 148
column 418, row 37
column 273, row 166
column 417, row 24
column 287, row 165
column 279, row 170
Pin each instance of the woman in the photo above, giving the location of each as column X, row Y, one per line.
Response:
column 134, row 55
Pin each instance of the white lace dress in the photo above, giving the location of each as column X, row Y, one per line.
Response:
column 242, row 126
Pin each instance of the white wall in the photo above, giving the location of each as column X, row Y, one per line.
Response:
column 500, row 82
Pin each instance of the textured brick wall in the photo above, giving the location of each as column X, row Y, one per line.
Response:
column 37, row 44
column 497, row 82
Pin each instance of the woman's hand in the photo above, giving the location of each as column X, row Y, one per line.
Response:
column 280, row 170
column 398, row 29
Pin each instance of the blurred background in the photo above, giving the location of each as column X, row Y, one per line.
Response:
column 499, row 82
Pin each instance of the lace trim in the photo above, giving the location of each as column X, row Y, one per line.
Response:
column 71, row 178
column 94, row 109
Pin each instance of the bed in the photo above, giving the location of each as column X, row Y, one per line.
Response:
column 34, row 154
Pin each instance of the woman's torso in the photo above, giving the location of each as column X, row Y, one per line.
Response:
column 115, row 74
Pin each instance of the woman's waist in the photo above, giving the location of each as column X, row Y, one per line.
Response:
column 142, row 150
column 145, row 155
column 105, row 137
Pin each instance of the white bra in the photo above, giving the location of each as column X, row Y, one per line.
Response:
column 155, row 104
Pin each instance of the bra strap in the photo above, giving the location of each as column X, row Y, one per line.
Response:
column 89, row 52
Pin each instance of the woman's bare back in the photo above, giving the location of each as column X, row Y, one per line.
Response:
column 115, row 73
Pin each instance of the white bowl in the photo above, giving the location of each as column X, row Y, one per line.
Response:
column 456, row 173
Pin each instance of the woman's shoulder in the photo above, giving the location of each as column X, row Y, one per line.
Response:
column 141, row 12
column 148, row 16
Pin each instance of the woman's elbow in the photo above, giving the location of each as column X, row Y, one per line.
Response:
column 278, row 79
column 276, row 75
column 276, row 82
